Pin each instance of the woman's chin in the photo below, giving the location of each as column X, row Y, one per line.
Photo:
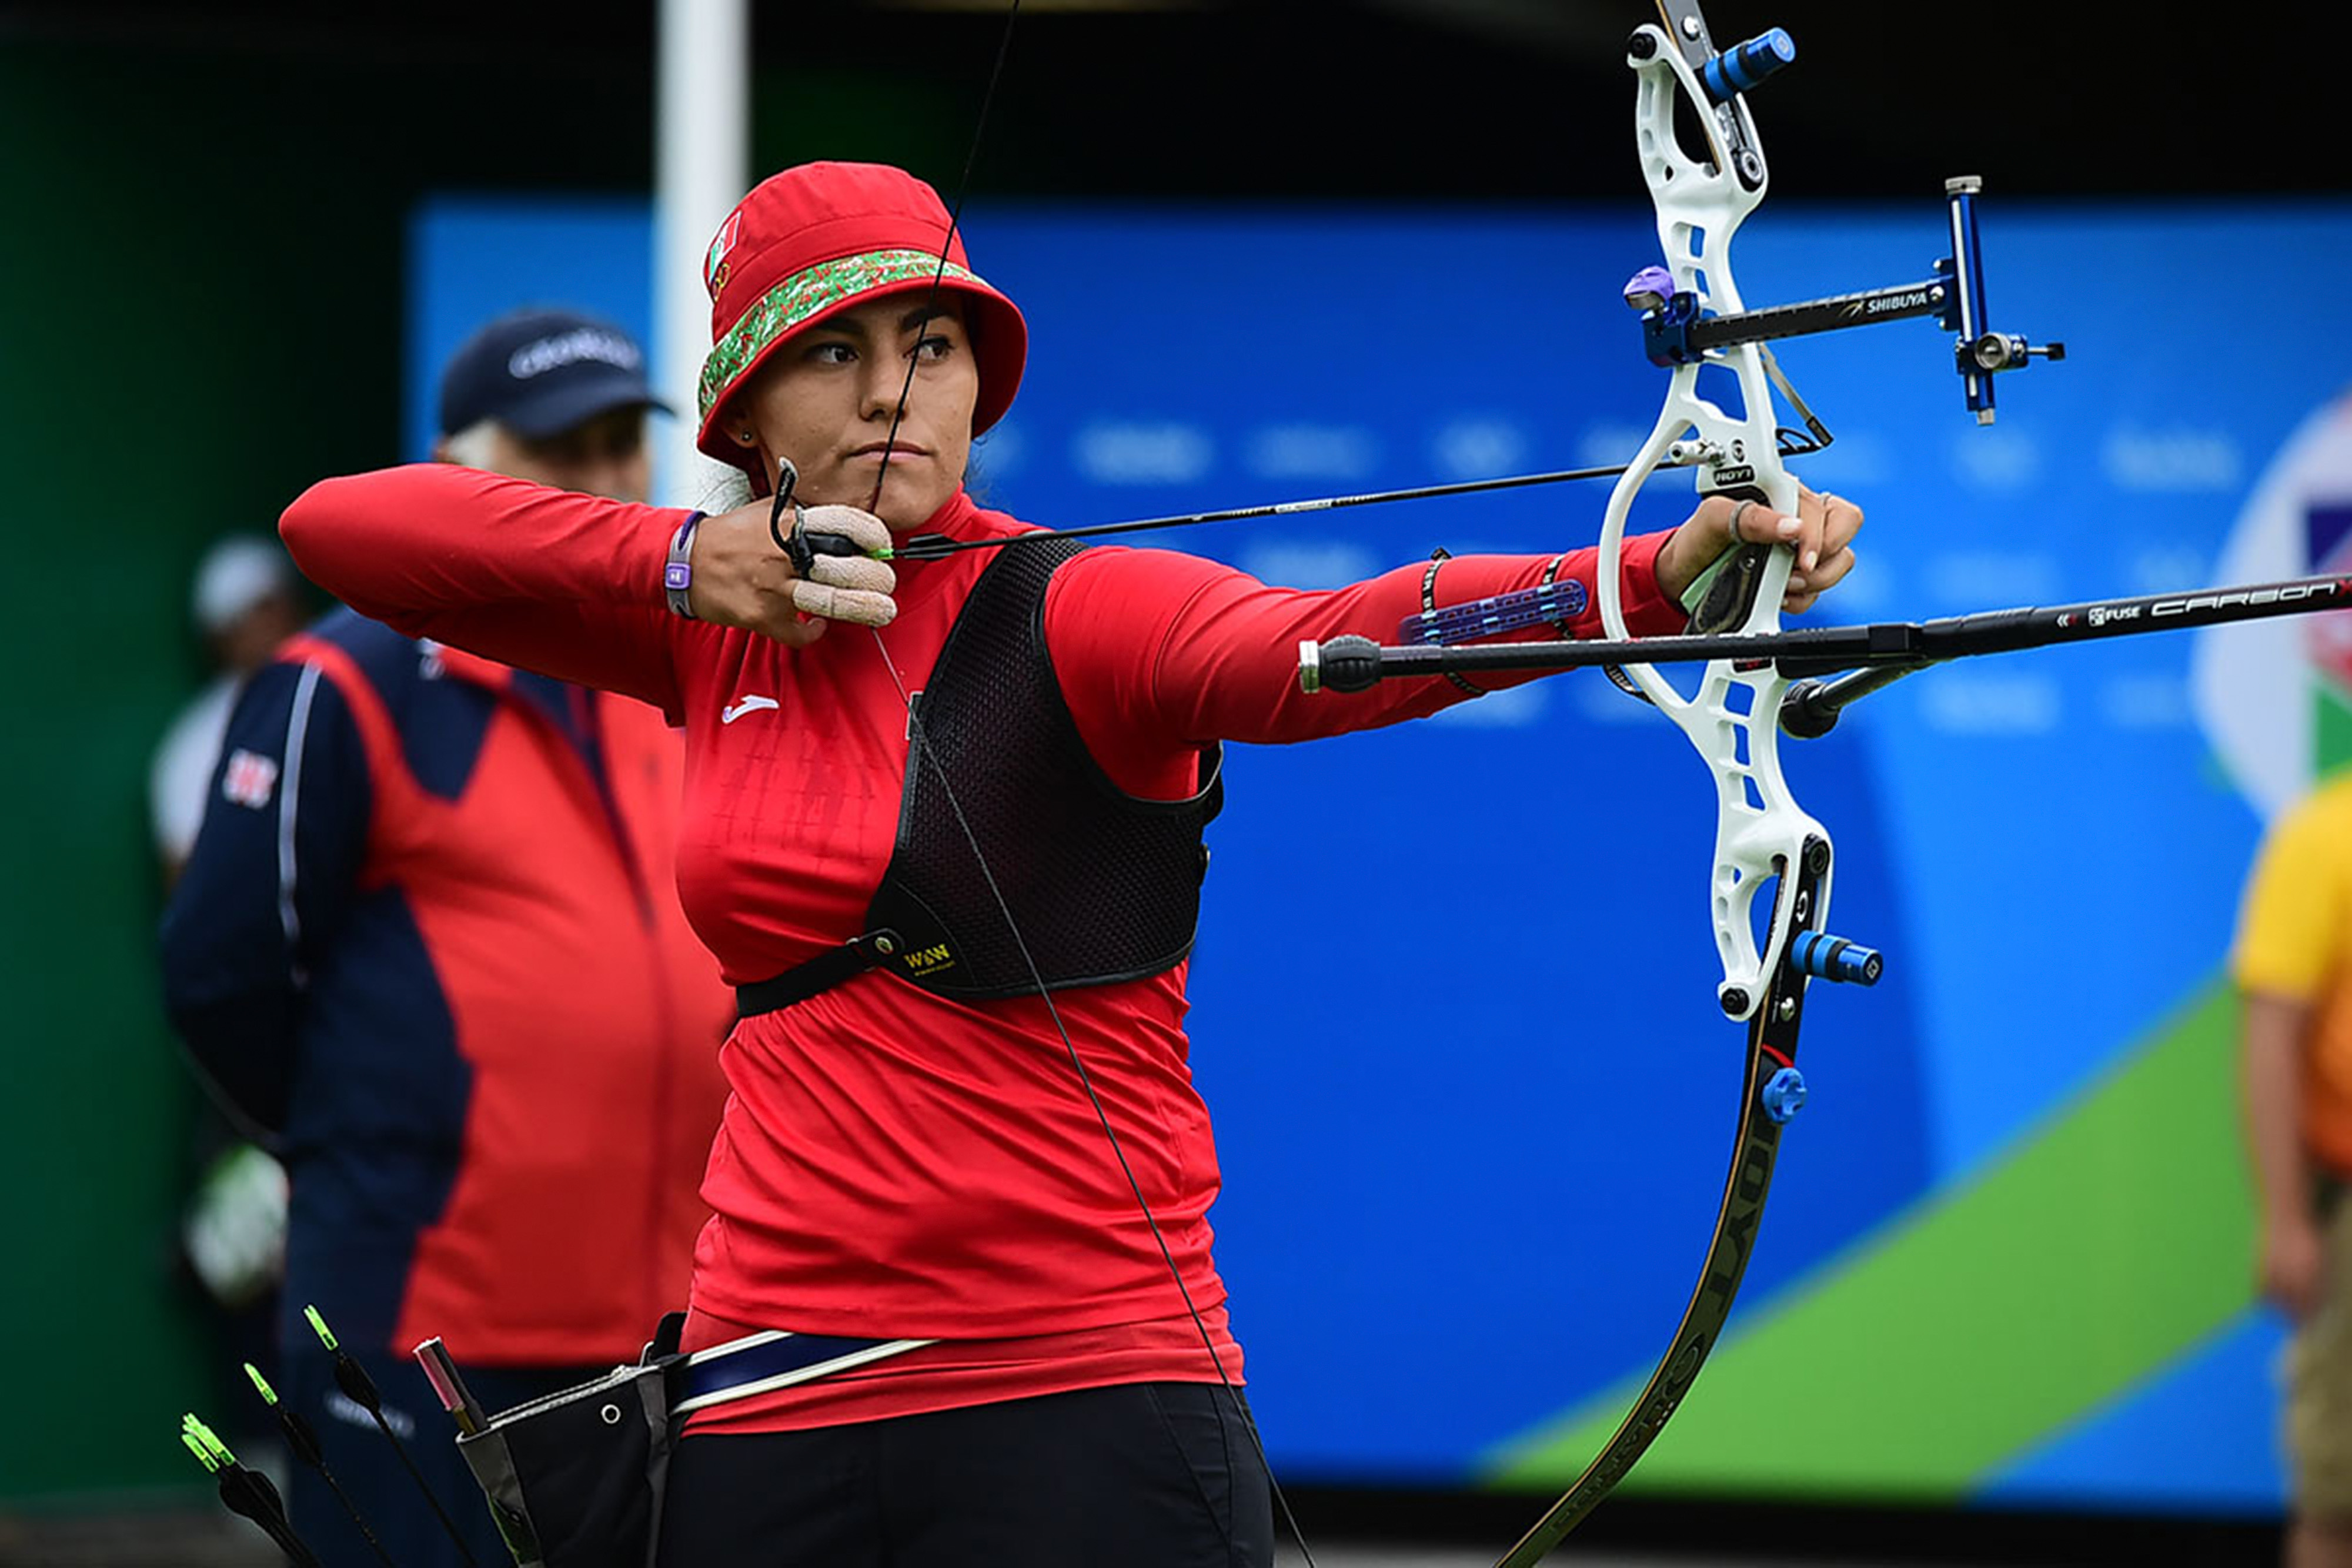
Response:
column 903, row 512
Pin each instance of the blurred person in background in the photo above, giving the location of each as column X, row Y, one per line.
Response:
column 2294, row 969
column 429, row 946
column 246, row 600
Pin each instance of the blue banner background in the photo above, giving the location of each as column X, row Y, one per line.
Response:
column 1454, row 996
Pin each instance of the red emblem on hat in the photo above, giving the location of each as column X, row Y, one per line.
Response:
column 714, row 265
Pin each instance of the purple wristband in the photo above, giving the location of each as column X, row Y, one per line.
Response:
column 677, row 575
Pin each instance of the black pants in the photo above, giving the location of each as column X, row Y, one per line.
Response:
column 1151, row 1474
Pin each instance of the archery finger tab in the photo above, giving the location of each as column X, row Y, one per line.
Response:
column 795, row 545
column 834, row 545
column 866, row 532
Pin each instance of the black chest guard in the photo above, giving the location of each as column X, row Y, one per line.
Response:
column 1102, row 887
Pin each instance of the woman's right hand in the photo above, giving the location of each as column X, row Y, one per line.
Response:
column 740, row 579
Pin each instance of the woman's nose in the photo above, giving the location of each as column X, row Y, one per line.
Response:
column 886, row 384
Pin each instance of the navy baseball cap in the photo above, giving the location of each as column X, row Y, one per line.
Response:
column 539, row 372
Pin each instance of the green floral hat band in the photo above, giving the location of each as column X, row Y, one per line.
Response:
column 808, row 294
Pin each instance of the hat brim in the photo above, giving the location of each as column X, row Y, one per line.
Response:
column 807, row 299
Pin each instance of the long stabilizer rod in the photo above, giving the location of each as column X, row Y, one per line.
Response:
column 1356, row 663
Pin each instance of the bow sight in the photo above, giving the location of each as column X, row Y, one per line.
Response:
column 1677, row 327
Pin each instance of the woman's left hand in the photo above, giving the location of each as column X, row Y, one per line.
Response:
column 1822, row 533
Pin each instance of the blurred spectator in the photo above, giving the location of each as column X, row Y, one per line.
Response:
column 245, row 602
column 428, row 943
column 2293, row 965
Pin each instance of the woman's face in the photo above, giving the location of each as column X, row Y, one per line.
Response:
column 826, row 397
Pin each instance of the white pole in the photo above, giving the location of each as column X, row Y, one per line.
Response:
column 703, row 138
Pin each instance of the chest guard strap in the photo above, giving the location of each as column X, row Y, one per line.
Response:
column 1104, row 886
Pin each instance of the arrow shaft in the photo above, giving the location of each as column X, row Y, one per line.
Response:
column 932, row 546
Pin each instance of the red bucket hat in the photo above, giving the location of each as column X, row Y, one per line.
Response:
column 821, row 238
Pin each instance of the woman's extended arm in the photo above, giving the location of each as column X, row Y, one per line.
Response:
column 565, row 584
column 1157, row 653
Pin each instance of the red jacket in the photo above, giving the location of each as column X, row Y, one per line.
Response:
column 429, row 934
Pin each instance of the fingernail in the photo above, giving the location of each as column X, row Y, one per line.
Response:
column 1805, row 561
column 1796, row 584
column 1790, row 527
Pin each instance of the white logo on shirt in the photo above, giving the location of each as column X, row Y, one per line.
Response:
column 743, row 705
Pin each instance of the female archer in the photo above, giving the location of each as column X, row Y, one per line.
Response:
column 942, row 829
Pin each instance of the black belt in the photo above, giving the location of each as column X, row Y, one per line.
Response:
column 822, row 973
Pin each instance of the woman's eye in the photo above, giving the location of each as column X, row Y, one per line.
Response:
column 935, row 348
column 832, row 353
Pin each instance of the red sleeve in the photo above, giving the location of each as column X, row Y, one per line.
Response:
column 1160, row 654
column 565, row 584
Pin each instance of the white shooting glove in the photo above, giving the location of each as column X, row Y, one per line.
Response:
column 838, row 576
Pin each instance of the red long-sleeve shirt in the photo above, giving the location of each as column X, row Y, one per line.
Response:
column 892, row 1163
